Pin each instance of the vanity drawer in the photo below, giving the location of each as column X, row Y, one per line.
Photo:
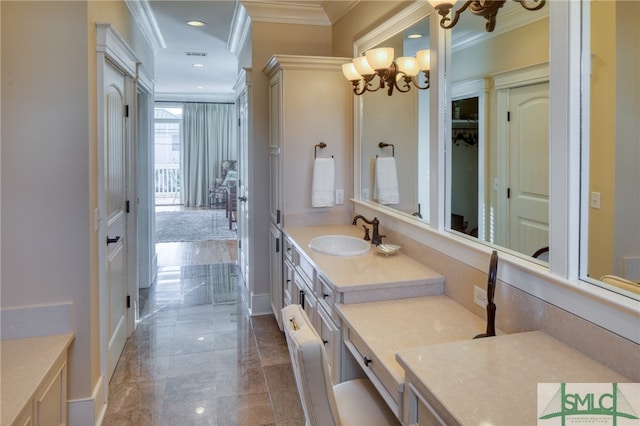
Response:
column 420, row 412
column 390, row 390
column 305, row 267
column 287, row 287
column 288, row 250
column 325, row 295
column 329, row 334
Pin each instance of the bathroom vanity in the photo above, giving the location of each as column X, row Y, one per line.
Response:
column 319, row 281
column 494, row 380
column 34, row 380
column 387, row 317
column 373, row 333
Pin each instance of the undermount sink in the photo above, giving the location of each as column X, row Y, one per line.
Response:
column 339, row 245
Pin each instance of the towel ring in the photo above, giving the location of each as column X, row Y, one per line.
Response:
column 382, row 145
column 321, row 145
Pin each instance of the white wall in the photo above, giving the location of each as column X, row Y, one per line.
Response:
column 45, row 166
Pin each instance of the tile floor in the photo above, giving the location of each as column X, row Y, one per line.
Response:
column 198, row 358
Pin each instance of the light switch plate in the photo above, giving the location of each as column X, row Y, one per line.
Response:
column 595, row 200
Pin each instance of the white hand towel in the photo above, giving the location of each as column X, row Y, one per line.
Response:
column 323, row 184
column 387, row 181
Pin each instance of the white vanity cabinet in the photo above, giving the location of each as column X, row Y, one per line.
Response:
column 34, row 374
column 309, row 102
column 324, row 282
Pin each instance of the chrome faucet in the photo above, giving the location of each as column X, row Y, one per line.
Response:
column 376, row 238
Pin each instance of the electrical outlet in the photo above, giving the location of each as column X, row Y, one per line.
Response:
column 480, row 296
column 339, row 196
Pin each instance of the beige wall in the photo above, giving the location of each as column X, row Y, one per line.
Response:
column 364, row 17
column 49, row 163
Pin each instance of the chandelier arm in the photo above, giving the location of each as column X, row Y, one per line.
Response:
column 537, row 4
column 454, row 21
column 415, row 83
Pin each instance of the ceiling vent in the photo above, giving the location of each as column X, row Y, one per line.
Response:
column 201, row 54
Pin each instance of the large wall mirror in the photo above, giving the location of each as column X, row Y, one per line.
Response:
column 497, row 155
column 399, row 121
column 611, row 183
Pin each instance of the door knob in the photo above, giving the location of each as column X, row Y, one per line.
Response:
column 113, row 240
column 243, row 199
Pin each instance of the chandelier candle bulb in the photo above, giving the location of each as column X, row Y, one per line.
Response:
column 408, row 65
column 350, row 72
column 424, row 59
column 380, row 58
column 362, row 66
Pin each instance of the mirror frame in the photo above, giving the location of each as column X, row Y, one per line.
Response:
column 559, row 284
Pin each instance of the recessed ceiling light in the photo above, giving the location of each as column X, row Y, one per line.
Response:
column 414, row 36
column 199, row 87
column 195, row 23
column 198, row 65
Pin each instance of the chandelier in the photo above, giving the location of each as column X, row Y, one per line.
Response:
column 485, row 8
column 400, row 74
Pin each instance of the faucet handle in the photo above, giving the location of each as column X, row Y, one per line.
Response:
column 380, row 237
column 366, row 233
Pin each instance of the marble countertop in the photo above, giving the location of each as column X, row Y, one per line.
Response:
column 493, row 381
column 24, row 363
column 392, row 325
column 367, row 271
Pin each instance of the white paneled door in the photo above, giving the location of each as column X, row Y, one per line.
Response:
column 115, row 214
column 529, row 168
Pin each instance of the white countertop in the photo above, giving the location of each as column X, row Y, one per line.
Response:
column 392, row 325
column 24, row 363
column 368, row 271
column 493, row 381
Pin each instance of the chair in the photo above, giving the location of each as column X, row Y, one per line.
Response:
column 219, row 189
column 542, row 254
column 354, row 402
column 621, row 283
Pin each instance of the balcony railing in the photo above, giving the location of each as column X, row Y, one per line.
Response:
column 167, row 183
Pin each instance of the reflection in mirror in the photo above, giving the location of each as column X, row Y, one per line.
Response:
column 401, row 120
column 464, row 163
column 498, row 182
column 611, row 196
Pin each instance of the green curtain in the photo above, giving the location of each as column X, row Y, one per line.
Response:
column 208, row 138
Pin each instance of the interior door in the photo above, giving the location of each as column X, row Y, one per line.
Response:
column 528, row 191
column 115, row 214
column 243, row 190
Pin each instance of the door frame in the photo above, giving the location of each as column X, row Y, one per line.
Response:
column 503, row 83
column 111, row 48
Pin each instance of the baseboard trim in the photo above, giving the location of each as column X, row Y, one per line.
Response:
column 88, row 411
column 260, row 304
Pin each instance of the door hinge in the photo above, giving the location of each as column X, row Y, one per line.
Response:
column 126, row 110
column 277, row 216
column 128, row 301
column 127, row 207
column 277, row 245
column 508, row 115
column 508, row 192
column 239, row 244
column 238, row 122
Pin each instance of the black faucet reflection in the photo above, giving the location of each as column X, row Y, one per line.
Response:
column 376, row 238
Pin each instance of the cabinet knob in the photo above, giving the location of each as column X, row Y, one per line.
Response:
column 325, row 295
column 367, row 361
column 325, row 342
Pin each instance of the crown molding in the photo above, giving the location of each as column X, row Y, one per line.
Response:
column 146, row 20
column 307, row 13
column 240, row 28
